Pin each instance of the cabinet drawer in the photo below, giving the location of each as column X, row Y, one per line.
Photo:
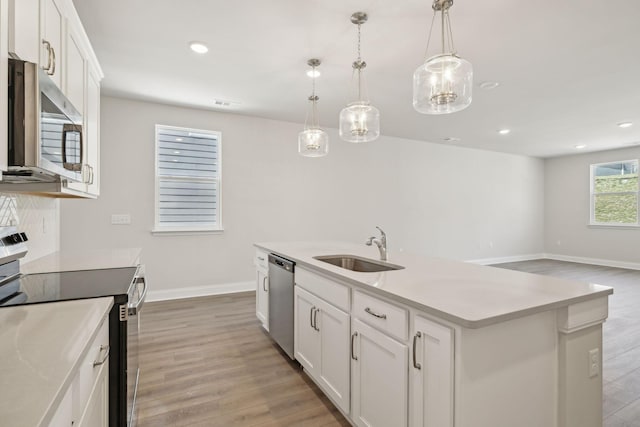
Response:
column 387, row 317
column 261, row 260
column 330, row 291
column 89, row 369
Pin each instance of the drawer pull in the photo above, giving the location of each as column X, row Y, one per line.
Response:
column 415, row 363
column 315, row 320
column 261, row 258
column 106, row 355
column 311, row 317
column 379, row 316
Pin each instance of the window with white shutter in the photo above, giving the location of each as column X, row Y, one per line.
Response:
column 187, row 180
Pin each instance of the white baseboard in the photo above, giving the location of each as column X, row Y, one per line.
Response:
column 200, row 291
column 594, row 261
column 501, row 260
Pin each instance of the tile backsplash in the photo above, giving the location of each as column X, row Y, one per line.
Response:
column 39, row 217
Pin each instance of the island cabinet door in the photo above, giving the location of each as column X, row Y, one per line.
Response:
column 431, row 374
column 262, row 297
column 306, row 342
column 379, row 385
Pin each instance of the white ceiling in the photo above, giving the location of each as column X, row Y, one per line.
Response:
column 569, row 71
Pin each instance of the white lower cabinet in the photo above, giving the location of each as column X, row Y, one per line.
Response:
column 379, row 387
column 262, row 297
column 431, row 373
column 86, row 400
column 322, row 345
column 261, row 261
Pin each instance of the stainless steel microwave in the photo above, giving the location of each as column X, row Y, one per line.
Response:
column 45, row 130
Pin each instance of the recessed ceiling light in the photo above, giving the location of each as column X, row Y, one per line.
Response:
column 580, row 146
column 504, row 131
column 313, row 73
column 451, row 139
column 625, row 125
column 198, row 47
column 489, row 85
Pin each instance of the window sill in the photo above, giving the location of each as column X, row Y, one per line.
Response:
column 616, row 226
column 185, row 231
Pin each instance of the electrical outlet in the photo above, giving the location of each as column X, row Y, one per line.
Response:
column 120, row 219
column 594, row 362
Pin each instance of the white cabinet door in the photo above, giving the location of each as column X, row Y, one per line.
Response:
column 321, row 345
column 333, row 371
column 431, row 374
column 306, row 336
column 75, row 71
column 96, row 413
column 63, row 417
column 262, row 297
column 24, row 29
column 51, row 51
column 92, row 132
column 380, row 385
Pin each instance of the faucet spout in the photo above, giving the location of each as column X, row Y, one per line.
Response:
column 381, row 243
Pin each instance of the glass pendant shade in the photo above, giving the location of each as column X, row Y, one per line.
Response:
column 313, row 143
column 442, row 85
column 359, row 122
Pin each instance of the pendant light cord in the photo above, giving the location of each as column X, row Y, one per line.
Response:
column 359, row 60
column 433, row 20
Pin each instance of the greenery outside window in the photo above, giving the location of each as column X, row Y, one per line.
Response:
column 188, row 180
column 615, row 193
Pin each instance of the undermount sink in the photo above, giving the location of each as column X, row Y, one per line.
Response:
column 356, row 263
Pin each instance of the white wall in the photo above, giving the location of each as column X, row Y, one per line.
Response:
column 567, row 193
column 431, row 199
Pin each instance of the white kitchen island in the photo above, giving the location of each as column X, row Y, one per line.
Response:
column 443, row 343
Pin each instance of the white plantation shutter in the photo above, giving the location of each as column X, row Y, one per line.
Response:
column 187, row 179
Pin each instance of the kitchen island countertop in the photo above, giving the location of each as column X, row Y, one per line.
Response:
column 467, row 294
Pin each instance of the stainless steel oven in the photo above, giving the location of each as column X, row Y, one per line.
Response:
column 137, row 294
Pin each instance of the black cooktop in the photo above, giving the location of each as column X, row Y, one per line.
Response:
column 68, row 285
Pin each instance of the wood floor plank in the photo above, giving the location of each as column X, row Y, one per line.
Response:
column 207, row 362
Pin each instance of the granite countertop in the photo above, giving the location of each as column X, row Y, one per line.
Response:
column 41, row 347
column 469, row 295
column 83, row 260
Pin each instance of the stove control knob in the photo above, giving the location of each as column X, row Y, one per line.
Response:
column 24, row 236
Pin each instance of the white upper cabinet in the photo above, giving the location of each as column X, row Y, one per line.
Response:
column 75, row 67
column 24, row 30
column 51, row 49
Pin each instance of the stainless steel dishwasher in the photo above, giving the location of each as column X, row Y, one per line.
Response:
column 281, row 302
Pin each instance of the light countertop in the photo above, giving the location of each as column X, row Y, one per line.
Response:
column 470, row 295
column 40, row 348
column 83, row 260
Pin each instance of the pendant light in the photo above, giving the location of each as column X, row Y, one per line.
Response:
column 359, row 120
column 443, row 83
column 313, row 141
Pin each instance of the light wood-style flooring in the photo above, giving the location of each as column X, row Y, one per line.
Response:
column 207, row 362
column 621, row 333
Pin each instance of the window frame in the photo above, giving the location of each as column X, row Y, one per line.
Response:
column 160, row 229
column 592, row 194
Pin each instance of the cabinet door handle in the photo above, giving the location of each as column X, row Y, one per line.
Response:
column 353, row 337
column 261, row 258
column 104, row 359
column 53, row 70
column 90, row 174
column 47, row 46
column 264, row 287
column 379, row 316
column 315, row 320
column 311, row 317
column 415, row 338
